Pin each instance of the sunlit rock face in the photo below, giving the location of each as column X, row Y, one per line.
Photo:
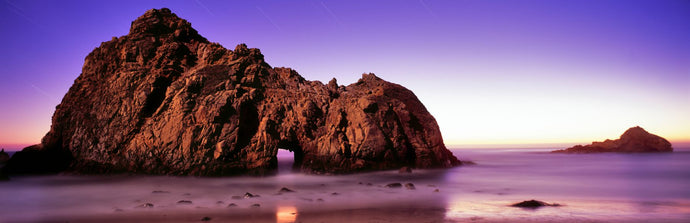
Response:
column 634, row 140
column 164, row 100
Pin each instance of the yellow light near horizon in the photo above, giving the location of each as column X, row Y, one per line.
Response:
column 549, row 111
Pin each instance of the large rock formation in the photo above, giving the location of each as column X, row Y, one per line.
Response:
column 164, row 100
column 634, row 140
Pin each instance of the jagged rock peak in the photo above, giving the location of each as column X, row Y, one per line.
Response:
column 369, row 77
column 160, row 22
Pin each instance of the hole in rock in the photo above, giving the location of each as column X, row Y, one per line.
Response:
column 286, row 161
column 289, row 156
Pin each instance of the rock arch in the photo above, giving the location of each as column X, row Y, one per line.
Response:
column 224, row 112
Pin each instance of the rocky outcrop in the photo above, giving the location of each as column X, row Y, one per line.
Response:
column 634, row 140
column 4, row 157
column 164, row 100
column 34, row 159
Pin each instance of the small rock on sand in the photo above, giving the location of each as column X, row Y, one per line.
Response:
column 394, row 185
column 533, row 204
column 250, row 195
column 437, row 190
column 205, row 219
column 285, row 190
column 232, row 205
column 405, row 169
column 255, row 205
column 160, row 192
column 184, row 202
column 145, row 205
column 409, row 186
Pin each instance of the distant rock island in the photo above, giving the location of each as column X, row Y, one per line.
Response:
column 634, row 140
column 164, row 100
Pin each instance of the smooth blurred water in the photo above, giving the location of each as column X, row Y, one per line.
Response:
column 628, row 187
column 590, row 187
column 649, row 176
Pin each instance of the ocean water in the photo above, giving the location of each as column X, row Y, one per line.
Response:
column 588, row 188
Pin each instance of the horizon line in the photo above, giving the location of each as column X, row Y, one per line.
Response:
column 676, row 143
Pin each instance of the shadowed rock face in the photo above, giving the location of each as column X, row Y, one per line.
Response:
column 164, row 100
column 634, row 140
column 4, row 157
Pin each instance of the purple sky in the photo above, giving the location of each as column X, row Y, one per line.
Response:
column 491, row 72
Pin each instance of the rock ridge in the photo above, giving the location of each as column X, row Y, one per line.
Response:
column 165, row 100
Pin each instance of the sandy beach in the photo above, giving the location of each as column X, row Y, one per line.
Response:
column 387, row 213
column 634, row 188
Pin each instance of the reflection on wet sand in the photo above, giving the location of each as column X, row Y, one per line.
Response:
column 286, row 214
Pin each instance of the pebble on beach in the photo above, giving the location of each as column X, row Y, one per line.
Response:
column 394, row 185
column 145, row 205
column 250, row 195
column 533, row 204
column 285, row 190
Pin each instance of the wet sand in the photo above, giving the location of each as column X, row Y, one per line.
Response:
column 315, row 199
column 405, row 213
column 633, row 188
column 401, row 212
column 188, row 199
